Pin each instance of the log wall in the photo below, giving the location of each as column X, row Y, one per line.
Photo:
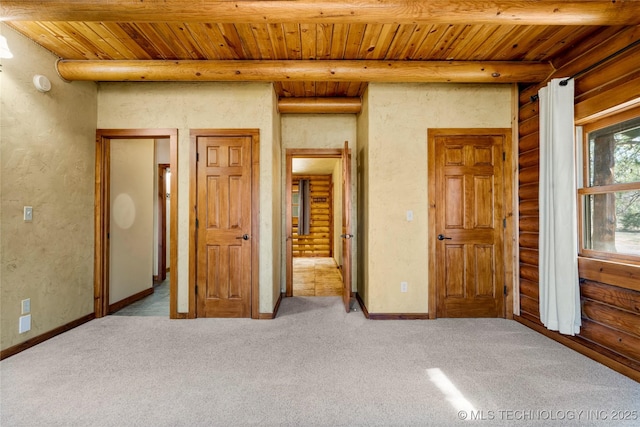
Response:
column 319, row 242
column 610, row 292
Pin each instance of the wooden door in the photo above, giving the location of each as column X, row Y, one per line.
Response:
column 163, row 215
column 469, row 226
column 346, row 227
column 223, row 281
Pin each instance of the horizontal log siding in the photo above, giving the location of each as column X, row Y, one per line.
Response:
column 610, row 330
column 319, row 242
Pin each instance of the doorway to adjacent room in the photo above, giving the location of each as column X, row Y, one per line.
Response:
column 118, row 210
column 318, row 211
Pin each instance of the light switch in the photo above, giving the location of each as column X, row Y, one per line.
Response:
column 26, row 306
column 409, row 215
column 28, row 213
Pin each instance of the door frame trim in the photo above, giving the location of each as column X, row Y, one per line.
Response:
column 102, row 213
column 509, row 203
column 291, row 153
column 162, row 223
column 254, row 134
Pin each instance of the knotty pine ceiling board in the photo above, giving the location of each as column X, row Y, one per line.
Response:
column 181, row 40
column 338, row 40
column 150, row 34
column 502, row 34
column 355, row 35
column 308, row 38
column 473, row 40
column 136, row 51
column 369, row 40
column 114, row 47
column 51, row 40
column 556, row 42
column 387, row 35
column 262, row 38
column 594, row 37
column 442, row 48
column 89, row 41
column 541, row 45
column 399, row 42
column 202, row 41
column 277, row 36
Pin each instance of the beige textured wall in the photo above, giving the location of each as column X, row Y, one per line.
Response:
column 277, row 207
column 319, row 131
column 188, row 106
column 131, row 226
column 399, row 117
column 362, row 184
column 47, row 146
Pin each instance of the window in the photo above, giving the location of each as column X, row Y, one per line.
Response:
column 610, row 197
column 295, row 202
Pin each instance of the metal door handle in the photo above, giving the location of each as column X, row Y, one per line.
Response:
column 442, row 237
column 347, row 236
column 243, row 237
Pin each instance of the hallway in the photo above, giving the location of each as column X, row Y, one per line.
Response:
column 156, row 304
column 311, row 277
column 319, row 277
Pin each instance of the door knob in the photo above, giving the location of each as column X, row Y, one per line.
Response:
column 346, row 236
column 442, row 237
column 243, row 237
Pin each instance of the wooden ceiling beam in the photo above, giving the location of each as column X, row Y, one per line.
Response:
column 337, row 105
column 505, row 12
column 306, row 70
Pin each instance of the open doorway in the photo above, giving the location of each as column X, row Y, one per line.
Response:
column 315, row 215
column 121, row 206
column 317, row 263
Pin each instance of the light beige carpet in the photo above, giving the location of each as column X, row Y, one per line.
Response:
column 313, row 365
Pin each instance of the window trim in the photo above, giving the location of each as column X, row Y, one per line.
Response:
column 585, row 190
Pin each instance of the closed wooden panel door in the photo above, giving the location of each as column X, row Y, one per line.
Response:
column 346, row 227
column 223, row 226
column 469, row 230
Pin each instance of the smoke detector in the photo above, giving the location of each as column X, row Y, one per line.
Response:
column 41, row 83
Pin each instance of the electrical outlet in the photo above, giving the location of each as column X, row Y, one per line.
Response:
column 28, row 213
column 26, row 306
column 404, row 286
column 409, row 215
column 24, row 324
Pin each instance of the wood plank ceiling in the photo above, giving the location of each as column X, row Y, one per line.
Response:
column 119, row 33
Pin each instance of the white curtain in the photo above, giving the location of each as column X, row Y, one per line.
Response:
column 558, row 241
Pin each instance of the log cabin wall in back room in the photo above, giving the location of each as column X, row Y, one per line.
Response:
column 318, row 242
column 606, row 303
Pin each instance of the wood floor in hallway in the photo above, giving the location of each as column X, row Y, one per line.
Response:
column 316, row 277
